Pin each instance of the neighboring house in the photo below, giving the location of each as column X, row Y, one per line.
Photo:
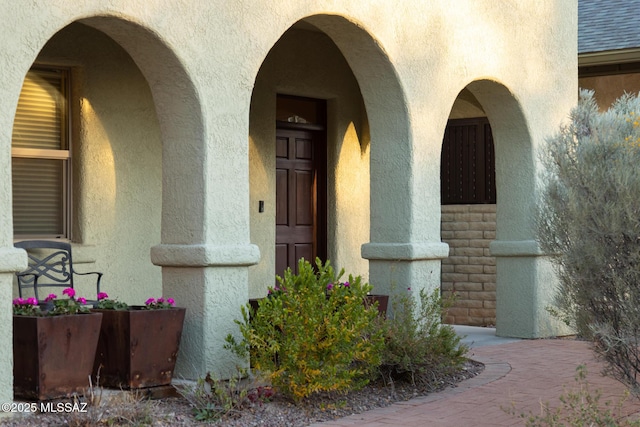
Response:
column 195, row 152
column 609, row 48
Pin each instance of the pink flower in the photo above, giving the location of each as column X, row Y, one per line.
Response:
column 70, row 292
column 160, row 300
column 330, row 286
column 82, row 300
column 346, row 284
column 32, row 301
column 51, row 297
column 102, row 295
column 18, row 301
column 170, row 301
column 150, row 301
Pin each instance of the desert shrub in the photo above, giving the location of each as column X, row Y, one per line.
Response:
column 590, row 221
column 418, row 346
column 213, row 398
column 313, row 333
column 579, row 407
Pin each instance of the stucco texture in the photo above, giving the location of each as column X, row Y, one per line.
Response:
column 175, row 117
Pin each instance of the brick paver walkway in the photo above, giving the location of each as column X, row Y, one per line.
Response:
column 523, row 373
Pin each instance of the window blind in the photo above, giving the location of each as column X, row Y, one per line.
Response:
column 40, row 156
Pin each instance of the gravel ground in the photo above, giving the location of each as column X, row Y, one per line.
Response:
column 126, row 409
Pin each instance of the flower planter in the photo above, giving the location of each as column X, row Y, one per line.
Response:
column 53, row 356
column 138, row 348
column 383, row 302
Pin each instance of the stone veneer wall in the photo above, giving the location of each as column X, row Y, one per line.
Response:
column 469, row 271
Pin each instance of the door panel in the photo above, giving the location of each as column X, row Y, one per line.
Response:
column 297, row 176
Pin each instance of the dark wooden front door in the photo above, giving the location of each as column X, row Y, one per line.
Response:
column 300, row 177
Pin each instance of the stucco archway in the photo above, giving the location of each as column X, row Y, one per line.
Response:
column 524, row 279
column 382, row 120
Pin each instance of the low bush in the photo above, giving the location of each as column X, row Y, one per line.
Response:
column 313, row 333
column 418, row 346
column 213, row 398
column 579, row 407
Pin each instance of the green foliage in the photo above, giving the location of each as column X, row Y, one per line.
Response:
column 213, row 398
column 590, row 218
column 417, row 344
column 313, row 333
column 579, row 408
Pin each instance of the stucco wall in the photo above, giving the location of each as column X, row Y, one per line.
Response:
column 308, row 63
column 117, row 164
column 201, row 62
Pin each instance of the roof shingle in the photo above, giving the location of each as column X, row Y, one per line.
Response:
column 608, row 25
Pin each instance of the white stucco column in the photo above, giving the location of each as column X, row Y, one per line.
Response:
column 11, row 260
column 211, row 282
column 395, row 268
column 525, row 286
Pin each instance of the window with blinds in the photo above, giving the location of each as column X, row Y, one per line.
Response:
column 40, row 156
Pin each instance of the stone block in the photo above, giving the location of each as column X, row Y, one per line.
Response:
column 454, row 208
column 468, row 286
column 446, row 234
column 458, row 243
column 489, row 304
column 490, row 234
column 447, row 217
column 481, row 312
column 490, row 269
column 482, row 260
column 468, row 217
column 467, row 268
column 489, row 286
column 483, row 208
column 483, row 226
column 454, row 226
column 467, row 234
column 469, row 252
column 457, row 259
column 469, row 303
column 489, row 217
column 455, row 277
column 479, row 243
column 446, row 267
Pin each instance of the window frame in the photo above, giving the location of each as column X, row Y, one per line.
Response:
column 62, row 154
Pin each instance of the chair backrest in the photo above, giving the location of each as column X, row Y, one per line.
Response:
column 50, row 261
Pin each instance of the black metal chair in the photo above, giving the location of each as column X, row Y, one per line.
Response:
column 50, row 265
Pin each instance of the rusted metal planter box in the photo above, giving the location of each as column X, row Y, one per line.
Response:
column 137, row 347
column 53, row 356
column 383, row 302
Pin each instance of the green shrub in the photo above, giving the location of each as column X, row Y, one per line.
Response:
column 313, row 333
column 579, row 408
column 590, row 219
column 417, row 345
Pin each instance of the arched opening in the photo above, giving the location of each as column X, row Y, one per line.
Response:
column 137, row 134
column 468, row 223
column 327, row 61
column 523, row 285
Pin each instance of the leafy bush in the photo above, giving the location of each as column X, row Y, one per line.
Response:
column 579, row 408
column 590, row 218
column 313, row 334
column 417, row 344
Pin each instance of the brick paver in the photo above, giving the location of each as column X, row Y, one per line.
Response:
column 523, row 374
